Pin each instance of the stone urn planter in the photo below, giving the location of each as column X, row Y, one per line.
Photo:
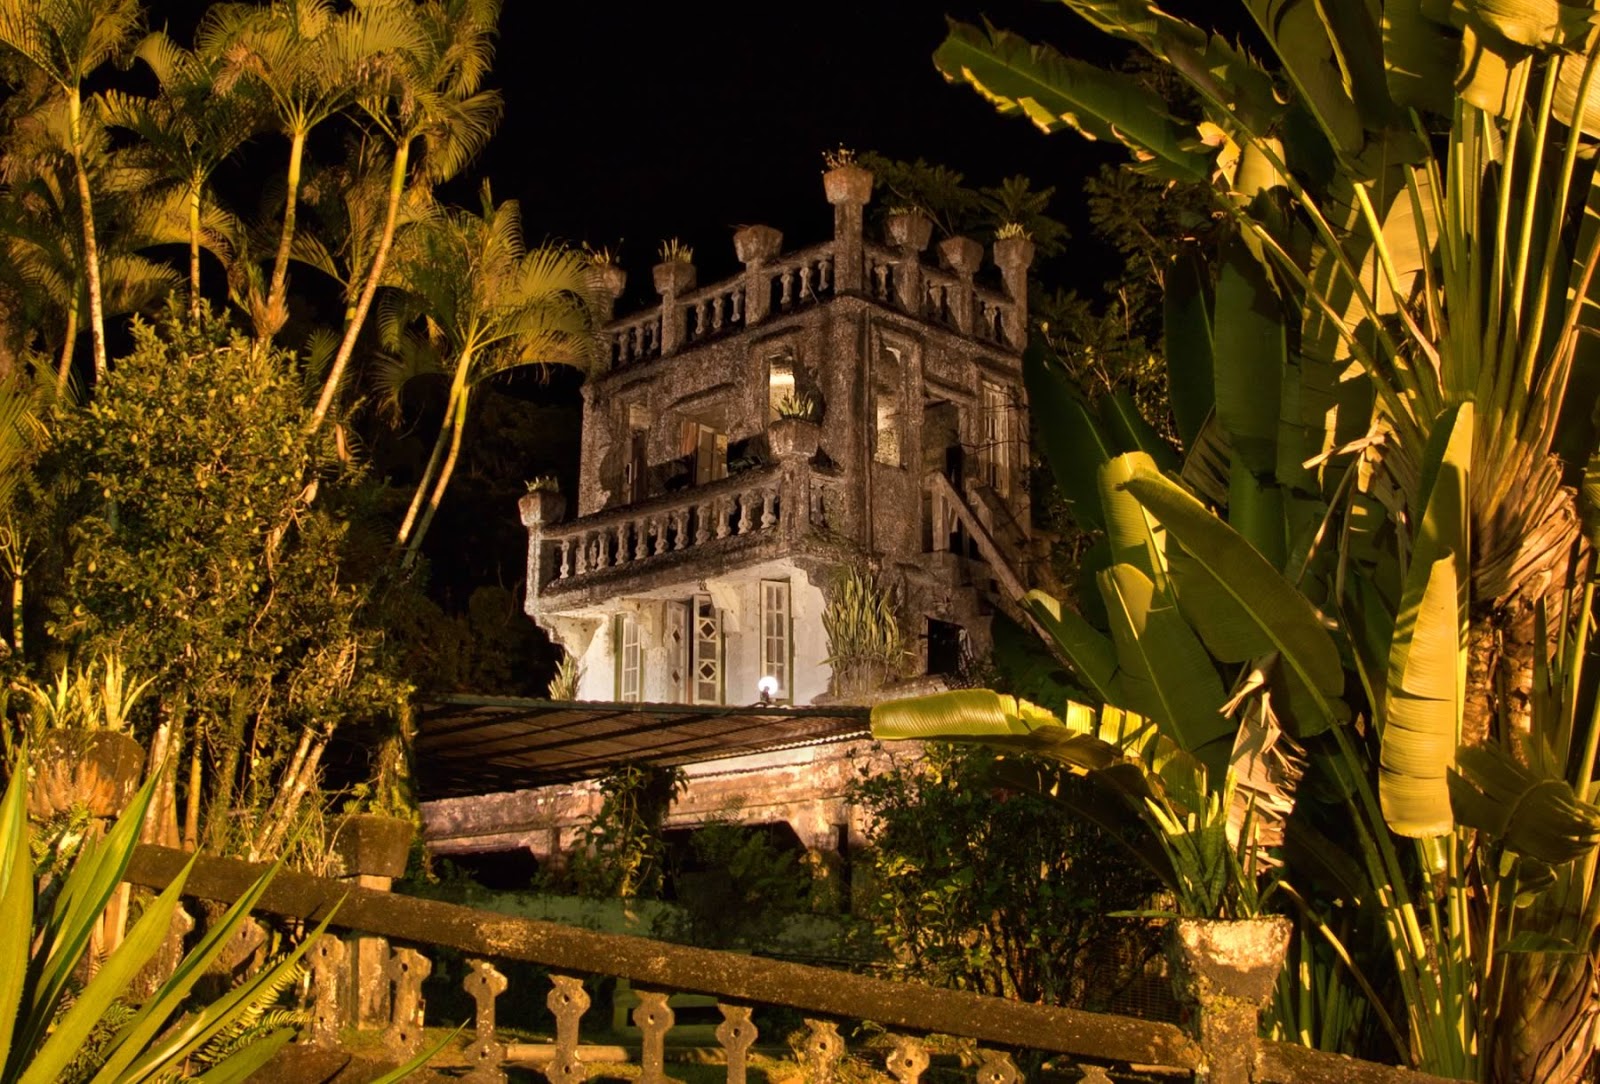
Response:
column 674, row 277
column 614, row 278
column 847, row 184
column 98, row 769
column 372, row 845
column 908, row 230
column 1223, row 974
column 542, row 507
column 755, row 245
column 962, row 255
column 1013, row 252
column 793, row 437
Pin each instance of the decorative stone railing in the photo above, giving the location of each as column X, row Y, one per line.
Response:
column 994, row 1028
column 944, row 298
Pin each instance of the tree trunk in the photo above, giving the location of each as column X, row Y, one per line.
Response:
column 64, row 369
column 428, row 472
column 194, row 253
column 1548, row 1030
column 91, row 252
column 276, row 310
column 347, row 346
column 458, row 425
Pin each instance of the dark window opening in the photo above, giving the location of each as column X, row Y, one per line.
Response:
column 946, row 645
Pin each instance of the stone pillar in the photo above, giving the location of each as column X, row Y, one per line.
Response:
column 1013, row 255
column 1223, row 973
column 539, row 510
column 372, row 851
column 962, row 255
column 673, row 279
column 909, row 231
column 848, row 187
column 755, row 245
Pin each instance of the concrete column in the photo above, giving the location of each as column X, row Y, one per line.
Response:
column 848, row 187
column 1013, row 255
column 755, row 246
column 962, row 255
column 673, row 279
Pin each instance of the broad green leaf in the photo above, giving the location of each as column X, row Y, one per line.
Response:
column 1535, row 816
column 1250, row 355
column 1069, row 435
column 1422, row 723
column 1133, row 537
column 1130, row 432
column 1419, row 56
column 1255, row 510
column 1166, row 672
column 1056, row 92
column 1301, row 38
column 1186, row 343
column 1091, row 653
column 1265, row 606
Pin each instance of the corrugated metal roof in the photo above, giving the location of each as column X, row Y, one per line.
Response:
column 469, row 745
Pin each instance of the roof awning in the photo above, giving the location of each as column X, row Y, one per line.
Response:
column 469, row 745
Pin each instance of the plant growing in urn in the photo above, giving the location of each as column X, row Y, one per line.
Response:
column 78, row 728
column 795, row 431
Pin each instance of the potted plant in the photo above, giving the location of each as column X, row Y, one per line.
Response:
column 866, row 647
column 543, row 504
column 795, row 431
column 372, row 838
column 908, row 228
column 675, row 273
column 843, row 179
column 612, row 276
column 83, row 755
column 1013, row 246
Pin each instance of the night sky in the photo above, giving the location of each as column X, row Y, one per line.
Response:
column 690, row 120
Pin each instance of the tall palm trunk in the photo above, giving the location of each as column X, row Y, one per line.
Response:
column 352, row 330
column 64, row 367
column 91, row 252
column 194, row 251
column 429, row 471
column 458, row 425
column 276, row 311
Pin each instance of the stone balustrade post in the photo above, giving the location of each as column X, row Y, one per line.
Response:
column 1223, row 973
column 756, row 246
column 673, row 279
column 849, row 188
column 539, row 510
column 963, row 256
column 1013, row 255
column 613, row 280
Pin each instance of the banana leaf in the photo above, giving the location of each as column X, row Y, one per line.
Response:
column 1068, row 432
column 1186, row 343
column 1536, row 816
column 1250, row 351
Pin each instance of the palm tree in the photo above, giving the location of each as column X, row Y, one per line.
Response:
column 185, row 133
column 484, row 304
column 66, row 41
column 309, row 62
column 436, row 98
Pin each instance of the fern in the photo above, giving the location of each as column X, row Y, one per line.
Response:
column 261, row 1016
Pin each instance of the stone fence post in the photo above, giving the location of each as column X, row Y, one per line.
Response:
column 848, row 188
column 1223, row 974
column 755, row 245
column 673, row 279
column 372, row 851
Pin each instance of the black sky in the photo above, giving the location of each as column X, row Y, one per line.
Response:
column 690, row 120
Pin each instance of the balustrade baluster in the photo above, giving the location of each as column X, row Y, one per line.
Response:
column 602, row 552
column 822, row 1050
column 716, row 313
column 702, row 319
column 907, row 1060
column 769, row 509
column 583, row 555
column 786, row 298
column 654, row 1018
column 723, row 514
column 702, row 533
column 996, row 1067
column 623, row 555
column 327, row 976
column 658, row 527
column 880, row 281
column 825, row 273
column 805, row 281
column 745, row 518
column 568, row 1001
column 736, row 316
column 736, row 1034
column 406, row 969
column 566, row 559
column 641, row 540
column 680, row 528
column 484, row 984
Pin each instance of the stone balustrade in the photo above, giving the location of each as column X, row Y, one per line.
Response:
column 987, row 1029
column 741, row 508
column 636, row 339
